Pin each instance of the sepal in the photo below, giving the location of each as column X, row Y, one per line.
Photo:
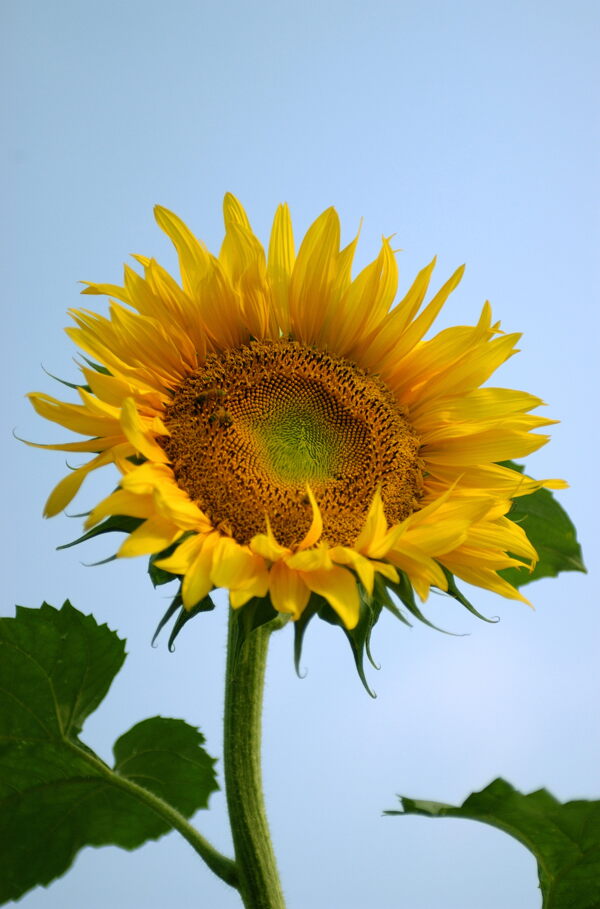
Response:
column 183, row 616
column 74, row 385
column 455, row 593
column 97, row 366
column 254, row 614
column 160, row 576
column 358, row 637
column 115, row 523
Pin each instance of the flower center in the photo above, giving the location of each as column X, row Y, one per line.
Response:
column 253, row 426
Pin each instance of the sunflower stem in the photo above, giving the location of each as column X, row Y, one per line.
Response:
column 258, row 880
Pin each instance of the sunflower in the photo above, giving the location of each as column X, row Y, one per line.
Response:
column 284, row 432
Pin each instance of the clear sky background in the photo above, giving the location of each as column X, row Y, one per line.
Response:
column 469, row 129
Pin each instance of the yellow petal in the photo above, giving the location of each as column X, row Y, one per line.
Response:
column 121, row 502
column 74, row 416
column 112, row 389
column 179, row 562
column 338, row 587
column 197, row 582
column 363, row 567
column 289, row 594
column 280, row 264
column 240, row 249
column 423, row 572
column 384, row 568
column 69, row 486
column 258, row 586
column 415, row 331
column 470, row 371
column 310, row 559
column 266, row 546
column 193, row 255
column 496, row 445
column 109, row 290
column 408, row 307
column 152, row 536
column 316, row 527
column 483, row 577
column 313, row 276
column 90, row 445
column 364, row 306
column 137, row 433
column 146, row 477
column 64, row 492
column 234, row 565
column 234, row 212
column 375, row 526
column 175, row 504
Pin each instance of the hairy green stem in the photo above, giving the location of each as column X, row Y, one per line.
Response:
column 258, row 880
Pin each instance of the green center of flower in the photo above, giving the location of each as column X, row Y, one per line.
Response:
column 298, row 445
column 252, row 426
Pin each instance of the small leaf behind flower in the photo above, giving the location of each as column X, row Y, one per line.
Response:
column 551, row 532
column 564, row 838
column 56, row 795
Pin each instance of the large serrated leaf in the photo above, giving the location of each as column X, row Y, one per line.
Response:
column 564, row 838
column 56, row 795
column 56, row 666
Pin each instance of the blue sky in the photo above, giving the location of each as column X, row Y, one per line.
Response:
column 466, row 129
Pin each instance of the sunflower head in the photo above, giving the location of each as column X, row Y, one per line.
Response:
column 284, row 431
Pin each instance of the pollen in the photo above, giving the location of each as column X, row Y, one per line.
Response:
column 253, row 426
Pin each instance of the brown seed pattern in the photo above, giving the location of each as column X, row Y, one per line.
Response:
column 253, row 425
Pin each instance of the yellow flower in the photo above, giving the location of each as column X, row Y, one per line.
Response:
column 283, row 430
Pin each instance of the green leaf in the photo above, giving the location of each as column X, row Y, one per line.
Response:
column 564, row 838
column 551, row 532
column 180, row 772
column 56, row 795
column 55, row 669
